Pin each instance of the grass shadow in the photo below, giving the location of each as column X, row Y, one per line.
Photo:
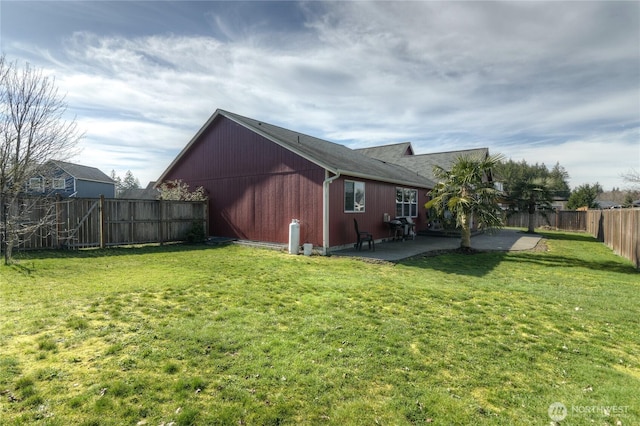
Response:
column 479, row 263
column 569, row 236
column 474, row 263
column 559, row 261
column 618, row 265
column 90, row 253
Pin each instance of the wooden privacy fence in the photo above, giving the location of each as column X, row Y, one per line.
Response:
column 102, row 222
column 567, row 220
column 619, row 229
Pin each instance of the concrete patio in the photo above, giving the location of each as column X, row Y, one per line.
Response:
column 393, row 251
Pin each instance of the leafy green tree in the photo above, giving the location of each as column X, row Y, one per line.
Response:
column 584, row 196
column 466, row 193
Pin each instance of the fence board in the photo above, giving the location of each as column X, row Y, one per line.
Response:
column 92, row 222
column 619, row 229
column 567, row 220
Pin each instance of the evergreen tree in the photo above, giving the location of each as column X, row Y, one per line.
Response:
column 117, row 180
column 559, row 182
column 531, row 187
column 130, row 182
column 584, row 196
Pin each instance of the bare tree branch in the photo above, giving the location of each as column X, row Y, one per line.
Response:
column 33, row 130
column 632, row 177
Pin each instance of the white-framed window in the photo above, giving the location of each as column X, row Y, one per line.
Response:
column 58, row 183
column 406, row 202
column 35, row 184
column 353, row 196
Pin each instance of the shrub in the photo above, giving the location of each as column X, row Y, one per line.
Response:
column 196, row 233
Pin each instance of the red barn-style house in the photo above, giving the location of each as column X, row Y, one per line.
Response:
column 259, row 177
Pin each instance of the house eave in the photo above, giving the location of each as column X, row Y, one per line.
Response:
column 96, row 181
column 385, row 180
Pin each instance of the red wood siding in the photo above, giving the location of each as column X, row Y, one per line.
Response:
column 255, row 187
column 380, row 198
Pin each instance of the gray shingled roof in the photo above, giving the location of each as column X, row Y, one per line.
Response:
column 423, row 163
column 83, row 172
column 332, row 156
column 388, row 153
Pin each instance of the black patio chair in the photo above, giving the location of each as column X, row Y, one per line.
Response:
column 363, row 236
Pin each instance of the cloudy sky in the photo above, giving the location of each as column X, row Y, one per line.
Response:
column 542, row 81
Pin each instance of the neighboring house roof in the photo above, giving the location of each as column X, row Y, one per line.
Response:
column 334, row 157
column 82, row 172
column 422, row 163
column 608, row 204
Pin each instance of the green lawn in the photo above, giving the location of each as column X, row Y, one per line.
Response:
column 241, row 336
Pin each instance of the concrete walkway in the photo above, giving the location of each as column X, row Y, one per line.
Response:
column 393, row 251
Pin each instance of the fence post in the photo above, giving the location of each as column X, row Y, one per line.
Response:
column 57, row 236
column 206, row 218
column 5, row 242
column 160, row 222
column 101, row 219
column 635, row 242
column 132, row 214
column 621, row 240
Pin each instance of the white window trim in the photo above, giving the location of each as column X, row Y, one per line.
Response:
column 356, row 184
column 36, row 184
column 407, row 203
column 56, row 181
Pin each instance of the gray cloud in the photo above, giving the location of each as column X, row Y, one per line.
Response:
column 541, row 79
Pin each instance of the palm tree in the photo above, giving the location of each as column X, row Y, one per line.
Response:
column 531, row 187
column 467, row 193
column 531, row 195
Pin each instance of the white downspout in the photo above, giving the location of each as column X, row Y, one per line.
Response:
column 325, row 209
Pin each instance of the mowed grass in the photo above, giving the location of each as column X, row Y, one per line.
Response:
column 190, row 335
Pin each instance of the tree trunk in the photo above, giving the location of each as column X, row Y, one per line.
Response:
column 532, row 219
column 9, row 235
column 8, row 252
column 465, row 233
column 532, row 215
